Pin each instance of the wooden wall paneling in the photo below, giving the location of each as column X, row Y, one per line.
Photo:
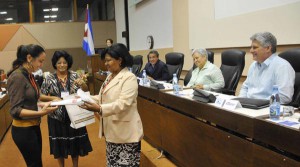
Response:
column 191, row 142
column 150, row 113
column 96, row 86
column 98, row 81
column 149, row 93
column 8, row 118
column 195, row 143
column 232, row 121
column 2, row 123
column 3, row 111
column 93, row 63
column 278, row 136
column 266, row 157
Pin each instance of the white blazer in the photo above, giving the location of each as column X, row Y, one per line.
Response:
column 121, row 120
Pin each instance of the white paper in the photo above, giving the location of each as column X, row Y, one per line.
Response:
column 79, row 117
column 63, row 94
column 85, row 96
column 220, row 101
column 74, row 101
column 168, row 86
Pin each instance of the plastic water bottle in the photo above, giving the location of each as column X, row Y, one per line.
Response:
column 130, row 69
column 275, row 104
column 175, row 84
column 146, row 81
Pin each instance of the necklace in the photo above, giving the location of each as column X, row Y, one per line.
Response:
column 63, row 80
column 62, row 77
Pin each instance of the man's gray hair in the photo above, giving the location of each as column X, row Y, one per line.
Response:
column 265, row 39
column 201, row 51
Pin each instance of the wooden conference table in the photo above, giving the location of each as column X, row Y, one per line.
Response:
column 5, row 118
column 192, row 133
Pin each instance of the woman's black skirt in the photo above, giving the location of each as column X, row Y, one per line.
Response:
column 65, row 140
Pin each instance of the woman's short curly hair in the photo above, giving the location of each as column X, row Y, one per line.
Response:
column 58, row 54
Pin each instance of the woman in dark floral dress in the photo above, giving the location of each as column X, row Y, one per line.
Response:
column 64, row 140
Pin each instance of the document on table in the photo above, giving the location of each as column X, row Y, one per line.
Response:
column 291, row 121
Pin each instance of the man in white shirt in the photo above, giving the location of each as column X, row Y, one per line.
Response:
column 268, row 69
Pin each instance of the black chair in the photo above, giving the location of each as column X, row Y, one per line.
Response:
column 187, row 78
column 174, row 63
column 210, row 56
column 293, row 57
column 137, row 64
column 233, row 63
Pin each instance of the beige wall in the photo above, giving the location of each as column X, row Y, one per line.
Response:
column 56, row 36
column 69, row 35
column 181, row 31
column 234, row 31
column 181, row 19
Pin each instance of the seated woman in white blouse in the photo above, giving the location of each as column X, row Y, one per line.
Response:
column 206, row 76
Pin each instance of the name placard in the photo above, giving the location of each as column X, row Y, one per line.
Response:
column 232, row 104
column 220, row 101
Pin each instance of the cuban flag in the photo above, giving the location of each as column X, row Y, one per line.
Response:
column 88, row 40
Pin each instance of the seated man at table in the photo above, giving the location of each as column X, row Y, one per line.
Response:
column 268, row 69
column 155, row 68
column 206, row 76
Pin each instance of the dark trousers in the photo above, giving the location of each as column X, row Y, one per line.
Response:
column 29, row 142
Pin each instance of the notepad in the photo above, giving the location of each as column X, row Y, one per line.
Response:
column 253, row 103
column 288, row 123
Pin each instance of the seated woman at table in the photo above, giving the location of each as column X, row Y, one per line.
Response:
column 206, row 76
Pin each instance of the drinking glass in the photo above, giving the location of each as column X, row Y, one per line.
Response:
column 287, row 111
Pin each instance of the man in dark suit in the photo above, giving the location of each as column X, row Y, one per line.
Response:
column 155, row 68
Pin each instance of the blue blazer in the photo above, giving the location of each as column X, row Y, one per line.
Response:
column 159, row 73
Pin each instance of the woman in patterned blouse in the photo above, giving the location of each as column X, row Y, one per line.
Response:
column 64, row 140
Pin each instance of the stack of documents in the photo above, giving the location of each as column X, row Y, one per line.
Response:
column 79, row 117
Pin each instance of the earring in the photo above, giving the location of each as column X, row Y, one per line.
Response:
column 30, row 66
column 27, row 65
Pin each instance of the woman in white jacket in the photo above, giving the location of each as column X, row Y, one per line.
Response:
column 117, row 107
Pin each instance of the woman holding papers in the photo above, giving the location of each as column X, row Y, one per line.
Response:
column 117, row 107
column 64, row 140
column 24, row 94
